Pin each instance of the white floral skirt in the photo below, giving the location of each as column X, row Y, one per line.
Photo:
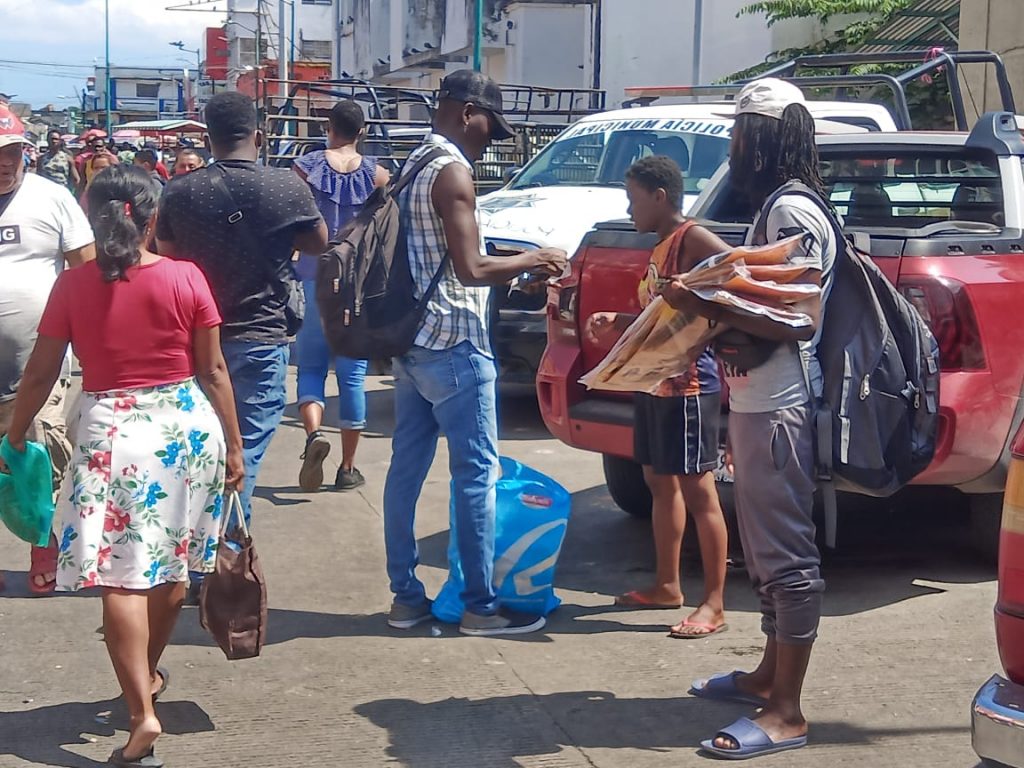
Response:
column 141, row 501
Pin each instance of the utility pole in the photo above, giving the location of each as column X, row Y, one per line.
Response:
column 106, row 90
column 698, row 39
column 478, row 36
column 335, row 39
column 282, row 49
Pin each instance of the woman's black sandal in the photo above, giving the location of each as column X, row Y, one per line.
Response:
column 148, row 760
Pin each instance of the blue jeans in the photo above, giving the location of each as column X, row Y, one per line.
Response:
column 258, row 374
column 451, row 391
column 314, row 360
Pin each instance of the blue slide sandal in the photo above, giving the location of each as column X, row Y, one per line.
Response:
column 751, row 741
column 723, row 688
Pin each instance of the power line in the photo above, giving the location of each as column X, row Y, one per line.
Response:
column 47, row 64
column 9, row 68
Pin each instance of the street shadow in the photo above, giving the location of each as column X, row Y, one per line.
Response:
column 286, row 625
column 40, row 736
column 17, row 587
column 499, row 731
column 890, row 553
column 283, row 495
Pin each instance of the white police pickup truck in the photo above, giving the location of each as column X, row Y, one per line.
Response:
column 578, row 181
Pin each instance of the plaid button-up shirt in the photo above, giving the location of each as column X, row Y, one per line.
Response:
column 456, row 312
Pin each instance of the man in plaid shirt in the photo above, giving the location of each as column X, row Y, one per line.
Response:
column 446, row 382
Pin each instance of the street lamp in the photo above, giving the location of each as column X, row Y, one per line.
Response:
column 106, row 27
column 181, row 47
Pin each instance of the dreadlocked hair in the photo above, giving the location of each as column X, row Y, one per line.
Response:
column 122, row 200
column 773, row 152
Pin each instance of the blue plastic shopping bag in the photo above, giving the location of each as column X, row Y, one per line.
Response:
column 26, row 494
column 530, row 525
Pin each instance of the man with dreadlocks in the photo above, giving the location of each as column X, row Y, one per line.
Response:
column 774, row 161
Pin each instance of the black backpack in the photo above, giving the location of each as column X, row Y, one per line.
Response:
column 364, row 285
column 877, row 416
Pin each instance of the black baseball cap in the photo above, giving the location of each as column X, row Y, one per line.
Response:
column 476, row 88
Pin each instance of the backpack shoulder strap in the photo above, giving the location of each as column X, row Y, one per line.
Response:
column 820, row 413
column 406, row 177
column 802, row 190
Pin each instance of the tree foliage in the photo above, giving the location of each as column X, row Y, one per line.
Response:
column 780, row 10
column 929, row 102
column 879, row 12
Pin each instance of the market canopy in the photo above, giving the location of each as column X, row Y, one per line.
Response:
column 923, row 24
column 163, row 126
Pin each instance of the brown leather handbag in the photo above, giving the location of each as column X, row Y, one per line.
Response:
column 233, row 599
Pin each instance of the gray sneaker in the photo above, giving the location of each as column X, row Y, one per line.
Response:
column 504, row 622
column 311, row 476
column 408, row 616
column 348, row 479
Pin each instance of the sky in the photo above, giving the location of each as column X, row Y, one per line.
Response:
column 64, row 39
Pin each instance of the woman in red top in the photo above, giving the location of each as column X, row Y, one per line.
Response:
column 141, row 503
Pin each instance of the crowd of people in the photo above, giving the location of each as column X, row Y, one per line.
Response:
column 178, row 299
column 75, row 170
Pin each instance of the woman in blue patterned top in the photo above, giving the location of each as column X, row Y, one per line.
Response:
column 341, row 180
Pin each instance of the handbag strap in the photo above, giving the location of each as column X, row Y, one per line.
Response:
column 233, row 505
column 217, row 175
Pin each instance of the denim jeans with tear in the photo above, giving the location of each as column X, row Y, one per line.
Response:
column 450, row 391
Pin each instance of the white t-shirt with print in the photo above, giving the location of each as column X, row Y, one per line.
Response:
column 42, row 222
column 780, row 382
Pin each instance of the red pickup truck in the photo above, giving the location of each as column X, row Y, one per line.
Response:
column 942, row 214
column 997, row 713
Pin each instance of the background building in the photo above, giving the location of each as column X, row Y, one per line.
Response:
column 308, row 38
column 608, row 44
column 139, row 93
column 995, row 25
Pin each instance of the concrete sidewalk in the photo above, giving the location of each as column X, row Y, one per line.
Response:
column 907, row 640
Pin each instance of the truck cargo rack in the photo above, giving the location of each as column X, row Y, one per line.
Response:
column 398, row 119
column 921, row 64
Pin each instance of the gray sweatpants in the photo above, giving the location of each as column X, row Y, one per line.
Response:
column 774, row 458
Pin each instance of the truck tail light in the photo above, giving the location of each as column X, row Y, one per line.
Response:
column 946, row 307
column 1011, row 544
column 1017, row 447
column 563, row 297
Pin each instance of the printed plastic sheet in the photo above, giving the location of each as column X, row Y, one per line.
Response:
column 663, row 342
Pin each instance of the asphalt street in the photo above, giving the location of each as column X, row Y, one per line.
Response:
column 906, row 640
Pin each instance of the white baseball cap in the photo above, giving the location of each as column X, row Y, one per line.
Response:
column 768, row 96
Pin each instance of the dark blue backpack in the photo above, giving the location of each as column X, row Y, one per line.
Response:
column 878, row 412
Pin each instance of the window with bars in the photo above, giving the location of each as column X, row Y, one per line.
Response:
column 316, row 50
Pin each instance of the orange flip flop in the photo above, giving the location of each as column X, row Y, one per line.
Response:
column 635, row 599
column 711, row 630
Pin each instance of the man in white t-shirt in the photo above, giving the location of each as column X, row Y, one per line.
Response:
column 42, row 229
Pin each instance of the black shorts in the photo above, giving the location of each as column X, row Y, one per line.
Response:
column 677, row 435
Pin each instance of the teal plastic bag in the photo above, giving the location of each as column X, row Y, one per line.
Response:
column 26, row 495
column 530, row 524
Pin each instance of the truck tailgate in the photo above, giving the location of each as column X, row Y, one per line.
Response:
column 614, row 262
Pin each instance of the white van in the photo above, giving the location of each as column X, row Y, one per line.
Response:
column 578, row 181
